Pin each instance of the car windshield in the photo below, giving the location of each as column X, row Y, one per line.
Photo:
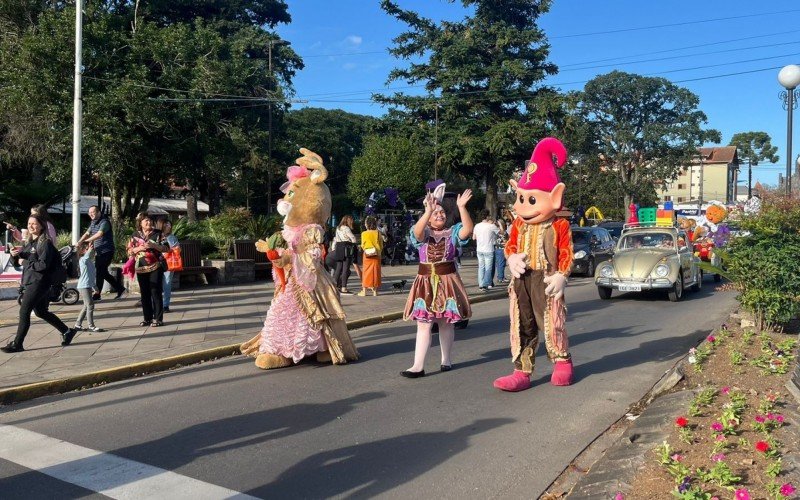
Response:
column 615, row 231
column 580, row 237
column 647, row 240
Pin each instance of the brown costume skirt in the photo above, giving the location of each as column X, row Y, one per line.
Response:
column 437, row 295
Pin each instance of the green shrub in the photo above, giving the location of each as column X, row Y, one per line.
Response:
column 63, row 239
column 764, row 265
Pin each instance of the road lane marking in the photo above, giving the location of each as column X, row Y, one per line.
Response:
column 104, row 473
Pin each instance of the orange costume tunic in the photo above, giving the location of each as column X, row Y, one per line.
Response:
column 548, row 247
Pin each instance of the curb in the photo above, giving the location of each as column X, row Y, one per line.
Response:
column 27, row 392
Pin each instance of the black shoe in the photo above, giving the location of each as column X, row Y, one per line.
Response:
column 119, row 294
column 166, row 310
column 12, row 348
column 138, row 303
column 96, row 297
column 410, row 374
column 446, row 368
column 66, row 338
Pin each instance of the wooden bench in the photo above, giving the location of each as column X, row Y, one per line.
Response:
column 246, row 249
column 193, row 263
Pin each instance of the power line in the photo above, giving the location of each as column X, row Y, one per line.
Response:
column 683, row 56
column 665, row 51
column 671, row 25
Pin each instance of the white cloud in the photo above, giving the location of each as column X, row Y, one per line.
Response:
column 349, row 66
column 353, row 41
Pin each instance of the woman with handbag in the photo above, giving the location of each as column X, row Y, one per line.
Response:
column 372, row 247
column 344, row 251
column 147, row 246
column 174, row 261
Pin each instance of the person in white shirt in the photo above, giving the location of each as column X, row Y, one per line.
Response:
column 485, row 234
column 344, row 244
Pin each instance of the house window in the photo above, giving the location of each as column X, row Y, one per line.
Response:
column 681, row 199
column 668, row 198
column 681, row 186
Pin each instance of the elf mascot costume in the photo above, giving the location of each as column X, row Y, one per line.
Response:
column 539, row 253
column 305, row 317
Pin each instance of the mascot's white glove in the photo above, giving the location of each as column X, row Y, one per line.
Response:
column 556, row 283
column 517, row 263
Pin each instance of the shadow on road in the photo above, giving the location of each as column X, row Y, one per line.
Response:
column 369, row 469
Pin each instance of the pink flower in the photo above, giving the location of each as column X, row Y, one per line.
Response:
column 681, row 422
column 619, row 496
column 742, row 494
column 692, row 351
column 711, row 338
column 787, row 489
column 720, row 437
column 762, row 446
column 716, row 427
column 779, row 419
column 677, row 457
column 770, row 416
column 760, row 419
column 714, row 498
column 719, row 457
column 726, row 390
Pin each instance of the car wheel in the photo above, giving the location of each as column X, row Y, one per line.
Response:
column 698, row 285
column 717, row 278
column 605, row 293
column 676, row 293
column 590, row 268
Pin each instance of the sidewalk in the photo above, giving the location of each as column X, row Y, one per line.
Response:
column 202, row 318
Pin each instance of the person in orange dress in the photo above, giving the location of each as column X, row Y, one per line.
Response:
column 372, row 248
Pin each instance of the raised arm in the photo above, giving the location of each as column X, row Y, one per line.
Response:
column 466, row 220
column 419, row 228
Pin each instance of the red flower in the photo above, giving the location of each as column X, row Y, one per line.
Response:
column 681, row 422
column 762, row 446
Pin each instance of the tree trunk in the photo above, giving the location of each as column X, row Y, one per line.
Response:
column 213, row 196
column 491, row 193
column 191, row 202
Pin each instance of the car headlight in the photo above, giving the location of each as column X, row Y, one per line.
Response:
column 662, row 270
column 580, row 254
column 606, row 271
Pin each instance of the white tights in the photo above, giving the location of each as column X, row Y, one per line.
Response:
column 446, row 339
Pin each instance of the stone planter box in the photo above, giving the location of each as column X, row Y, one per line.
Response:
column 233, row 272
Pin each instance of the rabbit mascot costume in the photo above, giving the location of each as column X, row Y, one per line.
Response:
column 539, row 253
column 305, row 316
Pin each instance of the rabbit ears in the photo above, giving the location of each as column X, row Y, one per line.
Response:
column 313, row 162
column 438, row 193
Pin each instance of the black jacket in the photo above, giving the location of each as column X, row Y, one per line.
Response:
column 41, row 261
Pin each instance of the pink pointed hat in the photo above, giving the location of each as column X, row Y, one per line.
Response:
column 541, row 173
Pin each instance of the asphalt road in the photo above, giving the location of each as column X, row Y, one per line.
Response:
column 359, row 430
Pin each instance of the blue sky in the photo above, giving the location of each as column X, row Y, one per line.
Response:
column 344, row 46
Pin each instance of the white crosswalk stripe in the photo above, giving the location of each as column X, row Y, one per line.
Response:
column 101, row 472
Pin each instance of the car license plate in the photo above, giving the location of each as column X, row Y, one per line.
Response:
column 630, row 287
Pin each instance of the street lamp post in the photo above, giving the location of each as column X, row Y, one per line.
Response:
column 77, row 124
column 269, row 119
column 789, row 78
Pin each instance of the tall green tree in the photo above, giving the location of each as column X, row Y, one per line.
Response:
column 481, row 81
column 156, row 78
column 644, row 129
column 389, row 161
column 336, row 135
column 754, row 147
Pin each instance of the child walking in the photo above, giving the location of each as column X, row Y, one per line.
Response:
column 85, row 284
column 437, row 294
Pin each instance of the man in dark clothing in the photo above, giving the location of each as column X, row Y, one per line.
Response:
column 101, row 235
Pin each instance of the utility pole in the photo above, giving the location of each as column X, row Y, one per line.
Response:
column 749, row 179
column 77, row 124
